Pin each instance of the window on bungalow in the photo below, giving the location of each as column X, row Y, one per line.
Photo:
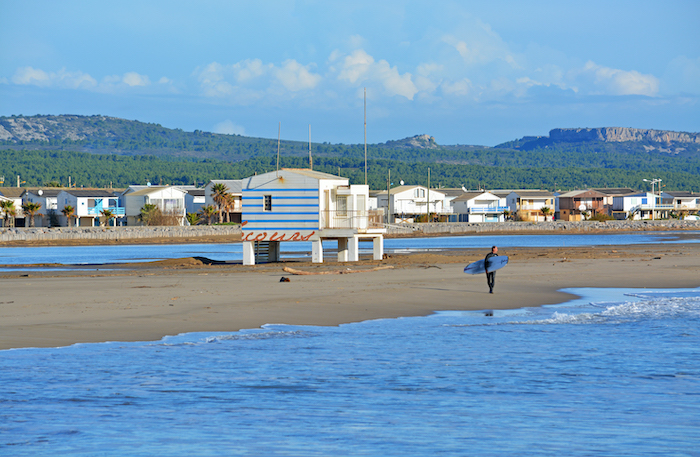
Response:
column 267, row 203
column 342, row 206
column 419, row 193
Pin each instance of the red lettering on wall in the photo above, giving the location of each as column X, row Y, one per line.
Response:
column 262, row 236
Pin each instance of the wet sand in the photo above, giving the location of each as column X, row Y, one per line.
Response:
column 140, row 302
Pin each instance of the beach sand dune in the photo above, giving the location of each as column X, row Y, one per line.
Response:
column 141, row 302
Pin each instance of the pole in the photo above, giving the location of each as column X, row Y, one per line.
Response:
column 388, row 197
column 311, row 161
column 279, row 131
column 428, row 220
column 365, row 136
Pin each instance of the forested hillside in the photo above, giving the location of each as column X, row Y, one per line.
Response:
column 99, row 151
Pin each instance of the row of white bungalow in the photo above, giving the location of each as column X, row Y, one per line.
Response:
column 402, row 203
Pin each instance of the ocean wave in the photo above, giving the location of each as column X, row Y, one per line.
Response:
column 653, row 309
column 260, row 336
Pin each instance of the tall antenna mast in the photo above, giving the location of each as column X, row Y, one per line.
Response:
column 279, row 131
column 365, row 136
column 311, row 161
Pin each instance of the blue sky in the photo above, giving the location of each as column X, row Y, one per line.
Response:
column 465, row 72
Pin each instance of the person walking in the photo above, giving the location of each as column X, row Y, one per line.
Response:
column 490, row 276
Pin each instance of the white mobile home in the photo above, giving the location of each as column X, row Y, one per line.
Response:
column 479, row 207
column 170, row 200
column 88, row 205
column 407, row 202
column 306, row 205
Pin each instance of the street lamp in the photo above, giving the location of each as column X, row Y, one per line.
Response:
column 653, row 181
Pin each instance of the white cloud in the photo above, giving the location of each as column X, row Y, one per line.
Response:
column 251, row 80
column 227, row 127
column 250, row 70
column 356, row 66
column 611, row 81
column 295, row 77
column 60, row 79
column 134, row 79
column 360, row 67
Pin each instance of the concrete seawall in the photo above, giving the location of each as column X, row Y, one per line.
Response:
column 97, row 234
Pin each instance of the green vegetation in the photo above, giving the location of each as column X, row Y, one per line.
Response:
column 117, row 152
column 92, row 170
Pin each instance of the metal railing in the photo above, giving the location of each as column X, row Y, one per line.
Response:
column 116, row 210
column 360, row 220
column 487, row 209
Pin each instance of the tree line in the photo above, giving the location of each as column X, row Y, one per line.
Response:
column 43, row 168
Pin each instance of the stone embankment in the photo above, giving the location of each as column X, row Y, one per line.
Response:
column 455, row 228
column 161, row 234
column 100, row 234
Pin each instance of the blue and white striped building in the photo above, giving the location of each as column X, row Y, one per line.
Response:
column 306, row 205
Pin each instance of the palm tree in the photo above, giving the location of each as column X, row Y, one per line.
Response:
column 9, row 212
column 31, row 208
column 193, row 218
column 545, row 212
column 208, row 212
column 219, row 194
column 69, row 212
column 506, row 214
column 108, row 214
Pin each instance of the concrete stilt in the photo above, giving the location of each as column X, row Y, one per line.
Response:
column 353, row 249
column 378, row 248
column 343, row 254
column 248, row 253
column 317, row 251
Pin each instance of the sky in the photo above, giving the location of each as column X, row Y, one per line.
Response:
column 465, row 72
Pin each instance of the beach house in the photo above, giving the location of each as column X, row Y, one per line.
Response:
column 406, row 203
column 233, row 209
column 527, row 205
column 684, row 203
column 306, row 205
column 577, row 205
column 88, row 206
column 170, row 200
column 479, row 207
column 15, row 195
column 642, row 205
column 47, row 215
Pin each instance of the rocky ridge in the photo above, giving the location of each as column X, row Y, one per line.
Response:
column 47, row 128
column 419, row 141
column 617, row 134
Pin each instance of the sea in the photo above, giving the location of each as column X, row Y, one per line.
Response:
column 40, row 257
column 615, row 372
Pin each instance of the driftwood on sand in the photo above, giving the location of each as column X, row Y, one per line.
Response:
column 334, row 272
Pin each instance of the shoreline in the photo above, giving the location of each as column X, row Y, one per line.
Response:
column 145, row 302
column 95, row 236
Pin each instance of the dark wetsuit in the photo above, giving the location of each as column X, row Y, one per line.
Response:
column 490, row 276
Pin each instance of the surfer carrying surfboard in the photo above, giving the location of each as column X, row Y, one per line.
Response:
column 490, row 275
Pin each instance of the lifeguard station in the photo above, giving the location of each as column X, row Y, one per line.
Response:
column 307, row 205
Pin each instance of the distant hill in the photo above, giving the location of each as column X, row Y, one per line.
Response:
column 45, row 148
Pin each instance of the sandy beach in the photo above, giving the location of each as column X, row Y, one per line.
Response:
column 139, row 302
